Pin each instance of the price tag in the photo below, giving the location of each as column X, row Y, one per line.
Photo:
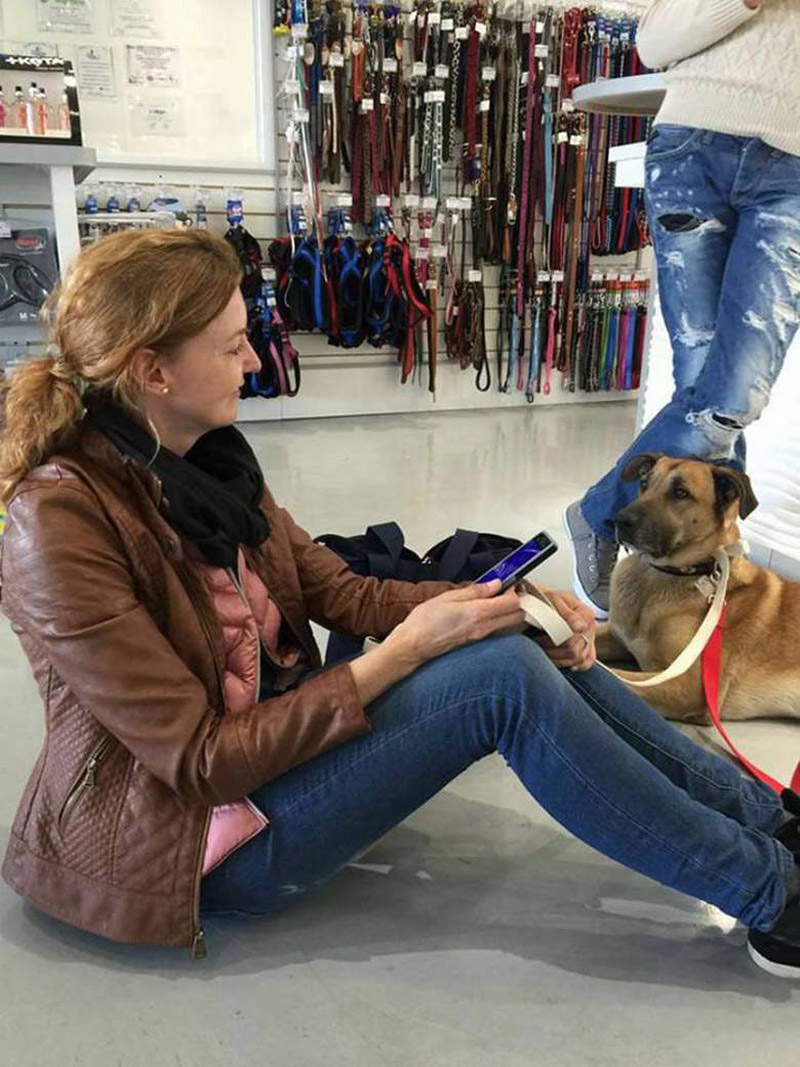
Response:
column 597, row 275
column 441, row 218
column 434, row 18
column 576, row 139
column 539, row 26
column 420, row 70
column 383, row 200
column 442, row 70
column 290, row 53
column 465, row 203
column 524, row 79
column 385, row 99
column 552, row 81
column 390, row 65
column 344, row 201
column 480, row 29
column 541, row 51
column 336, row 59
column 567, row 106
column 484, row 105
column 367, row 104
column 543, row 277
column 429, row 203
column 434, row 96
column 474, row 276
column 326, row 88
column 626, row 277
column 438, row 251
column 422, row 254
column 300, row 115
column 453, row 203
column 612, row 275
column 558, row 275
column 5, row 228
column 526, row 27
column 562, row 138
column 411, row 200
column 299, row 29
column 426, row 233
column 447, row 25
column 488, row 74
column 432, row 283
column 462, row 33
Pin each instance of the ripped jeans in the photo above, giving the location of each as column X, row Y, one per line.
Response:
column 725, row 217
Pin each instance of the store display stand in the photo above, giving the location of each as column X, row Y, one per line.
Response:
column 47, row 173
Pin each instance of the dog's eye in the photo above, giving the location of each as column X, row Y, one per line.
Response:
column 680, row 492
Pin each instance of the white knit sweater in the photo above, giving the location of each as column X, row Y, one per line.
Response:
column 730, row 69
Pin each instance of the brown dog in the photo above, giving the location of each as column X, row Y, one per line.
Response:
column 685, row 511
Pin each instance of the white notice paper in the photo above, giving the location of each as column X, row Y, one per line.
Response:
column 96, row 72
column 153, row 66
column 157, row 116
column 134, row 18
column 31, row 48
column 65, row 16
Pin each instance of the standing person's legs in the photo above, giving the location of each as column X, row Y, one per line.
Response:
column 503, row 694
column 689, row 180
column 759, row 312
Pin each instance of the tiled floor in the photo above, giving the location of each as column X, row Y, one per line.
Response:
column 477, row 932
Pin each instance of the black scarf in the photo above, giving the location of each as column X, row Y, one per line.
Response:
column 211, row 496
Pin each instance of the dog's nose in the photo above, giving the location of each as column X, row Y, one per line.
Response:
column 626, row 525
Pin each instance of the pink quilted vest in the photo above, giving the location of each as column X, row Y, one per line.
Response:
column 249, row 619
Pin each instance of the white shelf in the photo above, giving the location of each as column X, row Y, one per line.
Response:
column 82, row 160
column 641, row 94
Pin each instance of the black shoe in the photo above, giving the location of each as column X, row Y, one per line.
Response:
column 790, row 801
column 778, row 952
column 789, row 836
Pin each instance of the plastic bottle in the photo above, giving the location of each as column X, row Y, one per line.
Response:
column 33, row 99
column 41, row 114
column 64, row 117
column 19, row 118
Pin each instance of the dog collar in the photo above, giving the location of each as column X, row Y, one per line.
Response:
column 705, row 568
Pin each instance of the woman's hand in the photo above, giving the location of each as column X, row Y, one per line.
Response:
column 577, row 654
column 455, row 618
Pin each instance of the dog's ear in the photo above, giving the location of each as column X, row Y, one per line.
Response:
column 636, row 468
column 731, row 484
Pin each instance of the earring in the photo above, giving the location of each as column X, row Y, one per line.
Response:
column 165, row 390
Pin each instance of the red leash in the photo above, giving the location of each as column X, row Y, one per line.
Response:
column 711, row 662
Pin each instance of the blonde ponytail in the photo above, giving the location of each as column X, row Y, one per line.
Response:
column 135, row 289
column 42, row 412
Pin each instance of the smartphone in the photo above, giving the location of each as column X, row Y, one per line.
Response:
column 520, row 561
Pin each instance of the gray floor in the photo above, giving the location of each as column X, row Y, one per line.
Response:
column 477, row 932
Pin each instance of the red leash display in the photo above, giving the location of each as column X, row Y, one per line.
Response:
column 711, row 663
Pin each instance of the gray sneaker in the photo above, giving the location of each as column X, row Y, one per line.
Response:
column 594, row 561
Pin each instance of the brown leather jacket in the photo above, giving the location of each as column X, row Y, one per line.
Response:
column 126, row 651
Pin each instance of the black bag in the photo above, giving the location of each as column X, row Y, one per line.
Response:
column 381, row 552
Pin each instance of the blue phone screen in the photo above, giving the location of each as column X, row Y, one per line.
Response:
column 525, row 554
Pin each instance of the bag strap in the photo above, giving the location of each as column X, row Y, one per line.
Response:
column 456, row 554
column 389, row 538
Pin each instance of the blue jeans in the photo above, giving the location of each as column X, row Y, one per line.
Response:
column 725, row 217
column 596, row 757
